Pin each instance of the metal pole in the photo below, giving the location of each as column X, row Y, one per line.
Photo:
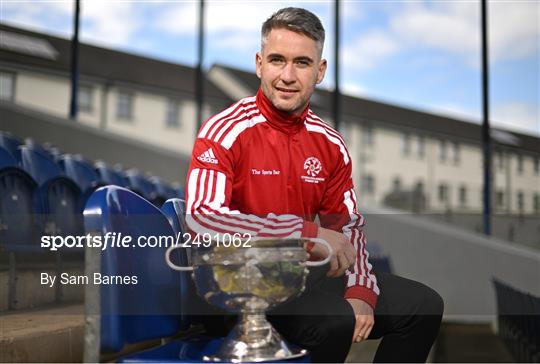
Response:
column 337, row 93
column 75, row 64
column 486, row 139
column 199, row 77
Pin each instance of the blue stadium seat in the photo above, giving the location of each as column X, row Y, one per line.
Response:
column 45, row 149
column 6, row 159
column 59, row 197
column 82, row 172
column 17, row 198
column 55, row 152
column 110, row 176
column 11, row 144
column 180, row 192
column 381, row 264
column 151, row 309
column 141, row 185
column 174, row 209
column 164, row 191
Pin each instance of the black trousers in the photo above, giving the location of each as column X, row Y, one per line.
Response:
column 407, row 318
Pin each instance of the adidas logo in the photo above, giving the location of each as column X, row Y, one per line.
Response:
column 208, row 157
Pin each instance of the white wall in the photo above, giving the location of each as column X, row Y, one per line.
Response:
column 384, row 159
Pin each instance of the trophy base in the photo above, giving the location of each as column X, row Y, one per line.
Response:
column 255, row 340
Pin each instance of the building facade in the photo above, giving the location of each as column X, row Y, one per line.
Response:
column 401, row 157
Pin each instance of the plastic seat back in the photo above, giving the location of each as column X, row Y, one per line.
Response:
column 42, row 148
column 164, row 191
column 110, row 176
column 80, row 171
column 38, row 164
column 18, row 230
column 6, row 159
column 175, row 209
column 150, row 309
column 141, row 185
column 11, row 144
column 59, row 197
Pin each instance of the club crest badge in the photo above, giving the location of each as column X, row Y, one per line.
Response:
column 313, row 167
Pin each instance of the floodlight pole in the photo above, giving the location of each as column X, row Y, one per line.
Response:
column 337, row 94
column 199, row 76
column 486, row 138
column 75, row 64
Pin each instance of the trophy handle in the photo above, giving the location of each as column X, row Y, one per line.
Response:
column 328, row 248
column 171, row 264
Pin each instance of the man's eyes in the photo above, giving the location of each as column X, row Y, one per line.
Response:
column 276, row 60
column 279, row 61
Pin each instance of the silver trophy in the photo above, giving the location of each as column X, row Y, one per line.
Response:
column 250, row 281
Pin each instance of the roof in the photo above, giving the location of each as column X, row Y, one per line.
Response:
column 372, row 111
column 100, row 62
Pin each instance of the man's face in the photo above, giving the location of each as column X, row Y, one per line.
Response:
column 289, row 67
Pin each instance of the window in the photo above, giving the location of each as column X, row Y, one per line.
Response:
column 520, row 201
column 396, row 184
column 463, row 195
column 499, row 160
column 85, row 98
column 499, row 199
column 520, row 164
column 7, row 86
column 536, row 166
column 367, row 135
column 456, row 150
column 536, row 203
column 124, row 105
column 421, row 147
column 369, row 184
column 442, row 150
column 172, row 118
column 405, row 144
column 443, row 192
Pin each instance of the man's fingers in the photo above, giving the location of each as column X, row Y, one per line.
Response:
column 356, row 334
column 343, row 264
column 334, row 265
column 366, row 325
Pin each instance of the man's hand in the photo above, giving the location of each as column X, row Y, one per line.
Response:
column 364, row 319
column 344, row 254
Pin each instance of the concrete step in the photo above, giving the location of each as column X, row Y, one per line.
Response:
column 23, row 287
column 52, row 334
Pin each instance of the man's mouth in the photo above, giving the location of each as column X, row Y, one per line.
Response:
column 286, row 90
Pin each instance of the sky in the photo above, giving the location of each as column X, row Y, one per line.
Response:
column 424, row 55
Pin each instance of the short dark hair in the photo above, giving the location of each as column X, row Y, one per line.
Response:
column 298, row 20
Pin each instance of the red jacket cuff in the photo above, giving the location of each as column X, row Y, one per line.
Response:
column 309, row 230
column 362, row 293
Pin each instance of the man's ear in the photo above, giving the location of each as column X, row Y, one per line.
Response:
column 322, row 70
column 258, row 64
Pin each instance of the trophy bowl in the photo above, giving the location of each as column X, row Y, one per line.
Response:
column 250, row 281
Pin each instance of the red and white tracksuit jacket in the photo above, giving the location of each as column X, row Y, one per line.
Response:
column 257, row 170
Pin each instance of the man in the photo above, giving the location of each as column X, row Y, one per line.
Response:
column 268, row 166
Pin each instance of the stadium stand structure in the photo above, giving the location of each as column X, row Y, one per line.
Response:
column 43, row 193
column 518, row 317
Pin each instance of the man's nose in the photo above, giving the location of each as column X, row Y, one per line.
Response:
column 288, row 73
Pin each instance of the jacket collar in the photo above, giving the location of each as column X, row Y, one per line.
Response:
column 281, row 120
